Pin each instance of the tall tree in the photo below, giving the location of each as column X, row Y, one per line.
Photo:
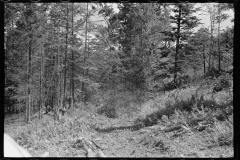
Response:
column 226, row 43
column 185, row 21
column 137, row 28
column 212, row 10
column 72, row 75
column 85, row 54
column 65, row 60
column 29, row 11
column 198, row 44
column 221, row 7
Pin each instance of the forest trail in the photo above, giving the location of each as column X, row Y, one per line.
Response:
column 152, row 141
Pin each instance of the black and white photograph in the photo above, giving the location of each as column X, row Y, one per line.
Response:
column 123, row 80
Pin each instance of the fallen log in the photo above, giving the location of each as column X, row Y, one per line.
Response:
column 91, row 148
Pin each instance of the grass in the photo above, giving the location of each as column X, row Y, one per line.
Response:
column 185, row 100
column 196, row 109
column 46, row 135
column 209, row 116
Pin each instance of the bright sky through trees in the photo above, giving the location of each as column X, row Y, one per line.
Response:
column 205, row 18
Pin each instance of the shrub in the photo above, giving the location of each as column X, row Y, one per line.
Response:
column 222, row 82
column 209, row 104
column 187, row 100
column 212, row 72
column 223, row 133
column 183, row 79
column 169, row 86
column 110, row 112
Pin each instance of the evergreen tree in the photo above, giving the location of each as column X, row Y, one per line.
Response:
column 137, row 28
column 184, row 21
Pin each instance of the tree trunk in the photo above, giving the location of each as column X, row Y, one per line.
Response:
column 60, row 79
column 219, row 54
column 211, row 42
column 55, row 97
column 28, row 108
column 41, row 80
column 28, row 87
column 177, row 44
column 209, row 60
column 72, row 80
column 213, row 45
column 65, row 63
column 60, row 63
column 204, row 63
column 84, row 61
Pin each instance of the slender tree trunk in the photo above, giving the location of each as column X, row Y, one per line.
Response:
column 60, row 81
column 88, row 54
column 177, row 44
column 72, row 80
column 85, row 55
column 60, row 78
column 212, row 16
column 59, row 67
column 211, row 41
column 28, row 91
column 65, row 63
column 209, row 60
column 57, row 75
column 204, row 59
column 219, row 54
column 52, row 93
column 56, row 106
column 29, row 83
column 28, row 108
column 41, row 80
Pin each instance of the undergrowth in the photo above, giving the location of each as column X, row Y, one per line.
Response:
column 199, row 109
column 192, row 107
column 47, row 135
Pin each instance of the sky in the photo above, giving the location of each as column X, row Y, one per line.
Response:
column 203, row 16
column 205, row 19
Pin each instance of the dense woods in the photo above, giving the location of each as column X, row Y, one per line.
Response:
column 60, row 56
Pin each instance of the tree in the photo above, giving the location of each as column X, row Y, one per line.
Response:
column 185, row 21
column 199, row 44
column 26, row 26
column 137, row 28
column 36, row 82
column 72, row 75
column 220, row 17
column 65, row 60
column 11, row 55
column 226, row 43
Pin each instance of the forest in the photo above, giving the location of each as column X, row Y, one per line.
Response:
column 119, row 79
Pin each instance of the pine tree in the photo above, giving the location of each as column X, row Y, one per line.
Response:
column 184, row 21
column 137, row 28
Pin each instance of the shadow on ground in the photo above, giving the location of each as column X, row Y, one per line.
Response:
column 110, row 129
column 8, row 120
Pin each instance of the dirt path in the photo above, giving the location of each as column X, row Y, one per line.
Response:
column 120, row 141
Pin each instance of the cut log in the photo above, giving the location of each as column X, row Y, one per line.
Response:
column 91, row 148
